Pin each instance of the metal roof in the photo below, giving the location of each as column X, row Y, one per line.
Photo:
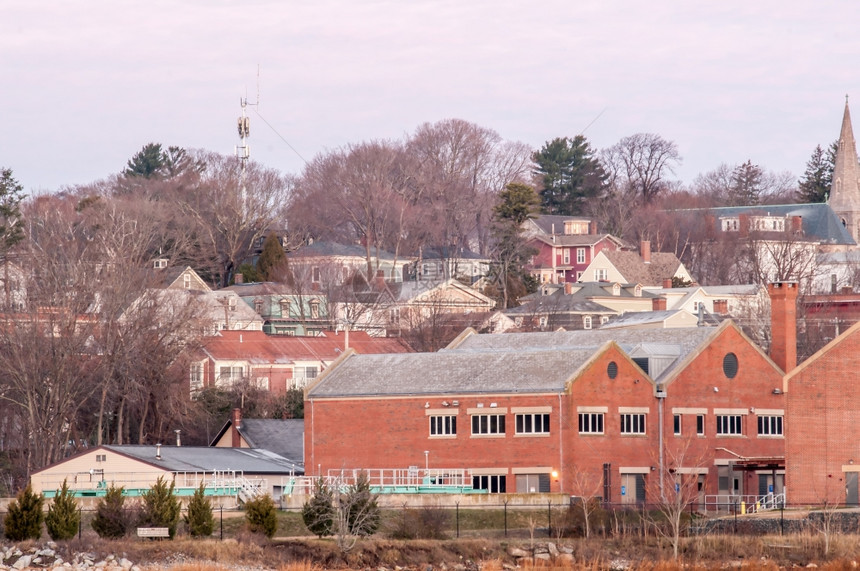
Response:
column 209, row 459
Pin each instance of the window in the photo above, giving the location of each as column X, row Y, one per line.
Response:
column 770, row 426
column 285, row 307
column 261, row 383
column 632, row 423
column 229, row 375
column 532, row 483
column 567, row 256
column 730, row 365
column 394, row 315
column 612, row 369
column 591, row 423
column 604, row 319
column 315, row 275
column 443, row 425
column 676, row 424
column 601, row 275
column 258, row 305
column 580, row 255
column 101, row 457
column 729, row 424
column 315, row 309
column 488, row 424
column 186, row 281
column 586, row 322
column 700, row 424
column 532, row 423
column 494, row 484
column 196, row 376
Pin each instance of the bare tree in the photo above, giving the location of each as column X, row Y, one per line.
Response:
column 586, row 486
column 641, row 163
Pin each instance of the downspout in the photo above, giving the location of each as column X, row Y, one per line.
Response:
column 560, row 445
column 661, row 394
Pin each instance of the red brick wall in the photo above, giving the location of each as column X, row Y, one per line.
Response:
column 824, row 415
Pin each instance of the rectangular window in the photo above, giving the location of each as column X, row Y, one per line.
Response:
column 567, row 256
column 443, row 425
column 676, row 424
column 196, row 376
column 488, row 424
column 494, row 484
column 311, row 372
column 601, row 275
column 230, row 374
column 315, row 275
column 729, row 424
column 700, row 425
column 586, row 322
column 532, row 483
column 580, row 255
column 591, row 423
column 532, row 424
column 632, row 424
column 770, row 426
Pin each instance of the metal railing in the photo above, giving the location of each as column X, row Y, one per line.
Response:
column 744, row 503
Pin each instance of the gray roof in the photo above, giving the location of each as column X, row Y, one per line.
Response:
column 819, row 221
column 556, row 304
column 546, row 222
column 452, row 372
column 642, row 318
column 208, row 459
column 343, row 250
column 283, row 437
column 686, row 340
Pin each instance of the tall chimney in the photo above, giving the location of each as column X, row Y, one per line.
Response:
column 158, row 451
column 667, row 283
column 783, row 324
column 236, row 424
column 658, row 304
column 645, row 251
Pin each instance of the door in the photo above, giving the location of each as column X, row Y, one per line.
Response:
column 851, row 492
column 632, row 488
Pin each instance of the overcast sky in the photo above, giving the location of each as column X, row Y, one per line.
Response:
column 87, row 84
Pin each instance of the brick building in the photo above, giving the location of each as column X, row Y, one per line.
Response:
column 596, row 412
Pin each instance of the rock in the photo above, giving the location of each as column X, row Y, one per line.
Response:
column 23, row 561
column 517, row 552
column 565, row 559
column 619, row 565
column 812, row 566
column 552, row 550
column 125, row 563
column 543, row 556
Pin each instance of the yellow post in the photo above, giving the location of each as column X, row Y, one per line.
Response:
column 743, row 507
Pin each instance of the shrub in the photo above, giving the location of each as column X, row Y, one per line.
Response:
column 318, row 511
column 363, row 514
column 161, row 507
column 63, row 519
column 112, row 519
column 24, row 518
column 261, row 515
column 199, row 518
column 423, row 523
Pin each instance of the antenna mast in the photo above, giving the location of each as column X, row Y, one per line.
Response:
column 243, row 150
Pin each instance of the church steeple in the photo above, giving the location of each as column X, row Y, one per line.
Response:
column 845, row 187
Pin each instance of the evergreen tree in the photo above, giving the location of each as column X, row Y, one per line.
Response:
column 818, row 176
column 570, row 174
column 11, row 195
column 318, row 512
column 161, row 507
column 24, row 516
column 746, row 185
column 517, row 203
column 363, row 513
column 199, row 518
column 272, row 259
column 261, row 515
column 112, row 519
column 63, row 519
column 146, row 163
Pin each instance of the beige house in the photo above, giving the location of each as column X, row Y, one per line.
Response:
column 239, row 473
column 650, row 269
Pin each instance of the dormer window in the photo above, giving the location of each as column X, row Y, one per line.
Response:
column 285, row 307
column 258, row 306
column 616, row 289
column 637, row 291
column 315, row 309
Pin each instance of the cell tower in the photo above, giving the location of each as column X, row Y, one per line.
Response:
column 243, row 151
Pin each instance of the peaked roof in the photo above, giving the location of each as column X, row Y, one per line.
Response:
column 546, row 222
column 560, row 303
column 850, row 332
column 575, row 239
column 633, row 318
column 844, row 193
column 258, row 347
column 663, row 265
column 333, row 249
column 457, row 372
column 264, row 288
column 685, row 341
column 283, row 437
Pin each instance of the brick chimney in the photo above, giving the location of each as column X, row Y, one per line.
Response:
column 379, row 280
column 658, row 304
column 238, row 278
column 796, row 224
column 236, row 424
column 568, row 288
column 783, row 324
column 645, row 251
column 667, row 283
column 592, row 227
column 721, row 306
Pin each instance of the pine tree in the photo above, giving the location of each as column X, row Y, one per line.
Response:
column 146, row 163
column 272, row 260
column 11, row 195
column 199, row 519
column 517, row 203
column 161, row 507
column 261, row 515
column 63, row 519
column 818, row 176
column 112, row 519
column 318, row 512
column 24, row 516
column 363, row 514
column 570, row 174
column 746, row 185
